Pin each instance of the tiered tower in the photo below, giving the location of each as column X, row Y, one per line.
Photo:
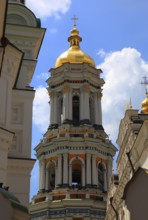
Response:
column 75, row 155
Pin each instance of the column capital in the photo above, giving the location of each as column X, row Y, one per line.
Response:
column 88, row 155
column 65, row 155
column 41, row 161
column 94, row 156
column 66, row 88
column 51, row 94
column 99, row 95
column 86, row 88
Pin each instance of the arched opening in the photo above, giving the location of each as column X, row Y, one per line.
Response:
column 76, row 172
column 76, row 108
column 101, row 176
column 51, row 176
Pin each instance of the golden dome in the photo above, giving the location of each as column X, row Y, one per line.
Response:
column 74, row 54
column 145, row 105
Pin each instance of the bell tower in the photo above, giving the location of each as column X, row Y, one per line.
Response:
column 75, row 155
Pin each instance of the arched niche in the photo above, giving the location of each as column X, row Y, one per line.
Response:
column 19, row 14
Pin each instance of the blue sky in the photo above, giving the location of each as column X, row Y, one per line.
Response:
column 114, row 34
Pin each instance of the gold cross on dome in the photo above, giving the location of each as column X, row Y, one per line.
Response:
column 74, row 19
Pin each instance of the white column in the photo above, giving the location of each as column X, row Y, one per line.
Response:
column 70, row 104
column 55, row 109
column 83, row 175
column 94, row 171
column 42, row 174
column 86, row 102
column 70, row 174
column 65, row 169
column 59, row 173
column 47, row 186
column 109, row 170
column 81, row 105
column 56, row 175
column 65, row 102
column 59, row 111
column 88, row 166
column 51, row 108
column 99, row 109
column 105, row 181
column 96, row 108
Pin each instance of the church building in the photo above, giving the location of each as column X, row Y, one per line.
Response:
column 128, row 190
column 75, row 156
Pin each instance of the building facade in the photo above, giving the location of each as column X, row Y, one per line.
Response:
column 75, row 155
column 128, row 192
column 20, row 40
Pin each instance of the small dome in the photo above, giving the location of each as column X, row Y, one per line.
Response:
column 74, row 54
column 144, row 105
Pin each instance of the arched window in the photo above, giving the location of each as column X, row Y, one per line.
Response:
column 76, row 108
column 101, row 176
column 76, row 172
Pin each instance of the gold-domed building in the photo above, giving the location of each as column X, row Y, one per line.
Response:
column 75, row 155
column 144, row 105
column 74, row 54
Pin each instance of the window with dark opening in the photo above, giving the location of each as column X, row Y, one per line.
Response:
column 76, row 173
column 76, row 108
column 101, row 176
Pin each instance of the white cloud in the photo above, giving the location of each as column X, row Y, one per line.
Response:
column 46, row 8
column 123, row 71
column 43, row 76
column 41, row 109
column 102, row 53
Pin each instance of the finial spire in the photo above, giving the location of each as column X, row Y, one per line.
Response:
column 129, row 105
column 74, row 19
